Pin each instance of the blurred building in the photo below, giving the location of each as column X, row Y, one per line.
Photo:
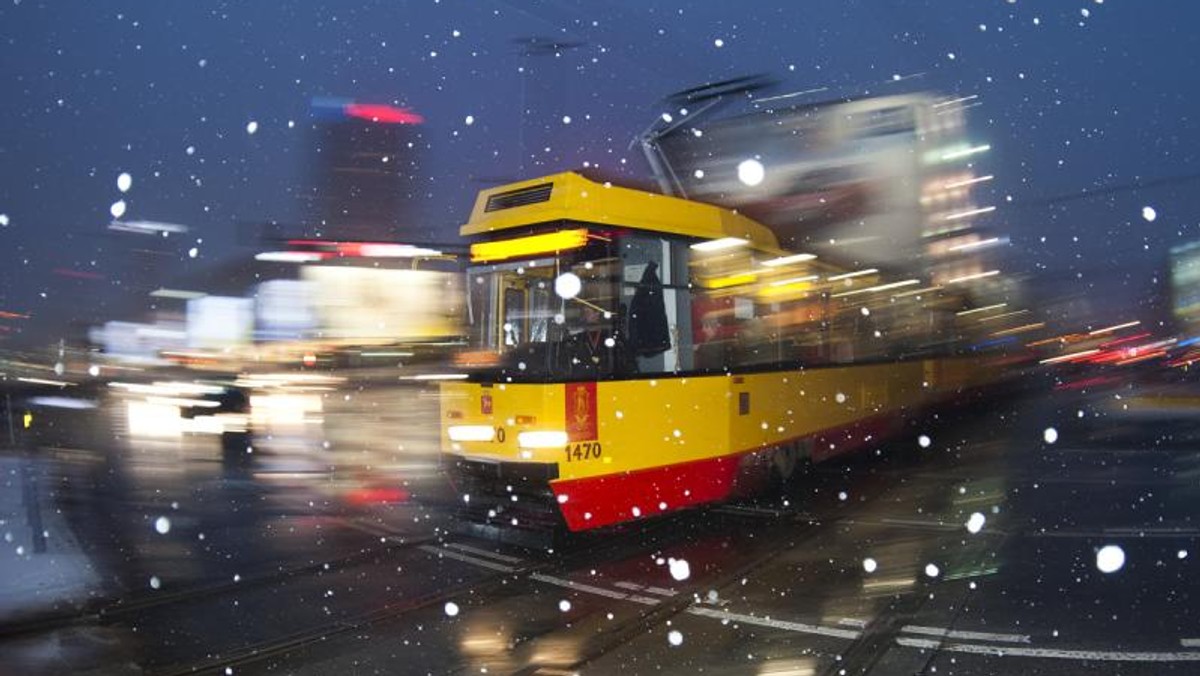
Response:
column 888, row 183
column 365, row 172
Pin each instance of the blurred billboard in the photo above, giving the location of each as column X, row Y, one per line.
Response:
column 384, row 306
column 219, row 322
column 284, row 310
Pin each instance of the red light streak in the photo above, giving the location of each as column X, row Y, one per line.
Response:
column 375, row 112
column 378, row 495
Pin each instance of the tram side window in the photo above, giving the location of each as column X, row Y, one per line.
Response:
column 656, row 310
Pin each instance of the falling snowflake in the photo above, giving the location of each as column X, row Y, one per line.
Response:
column 680, row 570
column 751, row 172
column 932, row 570
column 1149, row 214
column 155, row 583
column 163, row 525
column 251, row 127
column 124, row 181
column 564, row 605
column 675, row 638
column 975, row 523
column 451, row 608
column 470, row 120
column 1050, row 435
column 719, row 43
column 923, row 441
column 117, row 209
column 1110, row 559
column 870, row 565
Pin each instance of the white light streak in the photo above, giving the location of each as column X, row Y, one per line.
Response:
column 720, row 244
column 796, row 280
column 969, row 213
column 969, row 181
column 982, row 309
column 965, row 152
column 788, row 260
column 396, row 251
column 289, row 256
column 951, row 102
column 971, row 278
column 1110, row 329
column 880, row 287
column 146, row 227
column 1068, row 357
column 975, row 245
column 177, row 293
column 849, row 275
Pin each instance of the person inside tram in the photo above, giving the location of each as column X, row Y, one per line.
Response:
column 598, row 347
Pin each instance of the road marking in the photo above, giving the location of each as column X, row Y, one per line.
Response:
column 1016, row 651
column 776, row 624
column 853, row 622
column 483, row 552
column 965, row 635
column 637, row 587
column 1190, row 642
column 591, row 589
column 450, row 554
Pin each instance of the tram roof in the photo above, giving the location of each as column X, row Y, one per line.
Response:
column 571, row 197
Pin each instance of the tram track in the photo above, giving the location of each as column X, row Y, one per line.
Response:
column 509, row 570
column 109, row 611
column 782, row 530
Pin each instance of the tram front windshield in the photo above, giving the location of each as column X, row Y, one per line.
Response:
column 550, row 318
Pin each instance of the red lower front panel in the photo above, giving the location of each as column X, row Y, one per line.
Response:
column 613, row 498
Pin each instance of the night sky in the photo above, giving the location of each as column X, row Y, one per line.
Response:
column 1077, row 96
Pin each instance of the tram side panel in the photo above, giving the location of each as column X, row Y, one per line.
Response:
column 637, row 448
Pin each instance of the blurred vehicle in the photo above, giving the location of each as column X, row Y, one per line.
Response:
column 713, row 362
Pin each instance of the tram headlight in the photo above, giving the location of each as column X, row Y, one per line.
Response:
column 470, row 432
column 542, row 439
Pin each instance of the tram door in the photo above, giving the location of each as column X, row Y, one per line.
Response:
column 525, row 309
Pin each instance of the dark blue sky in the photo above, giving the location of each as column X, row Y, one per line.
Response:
column 1070, row 103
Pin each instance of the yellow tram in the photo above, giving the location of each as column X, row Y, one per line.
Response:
column 638, row 354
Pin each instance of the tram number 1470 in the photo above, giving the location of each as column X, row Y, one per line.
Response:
column 583, row 450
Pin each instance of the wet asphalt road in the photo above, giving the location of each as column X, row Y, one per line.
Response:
column 866, row 566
